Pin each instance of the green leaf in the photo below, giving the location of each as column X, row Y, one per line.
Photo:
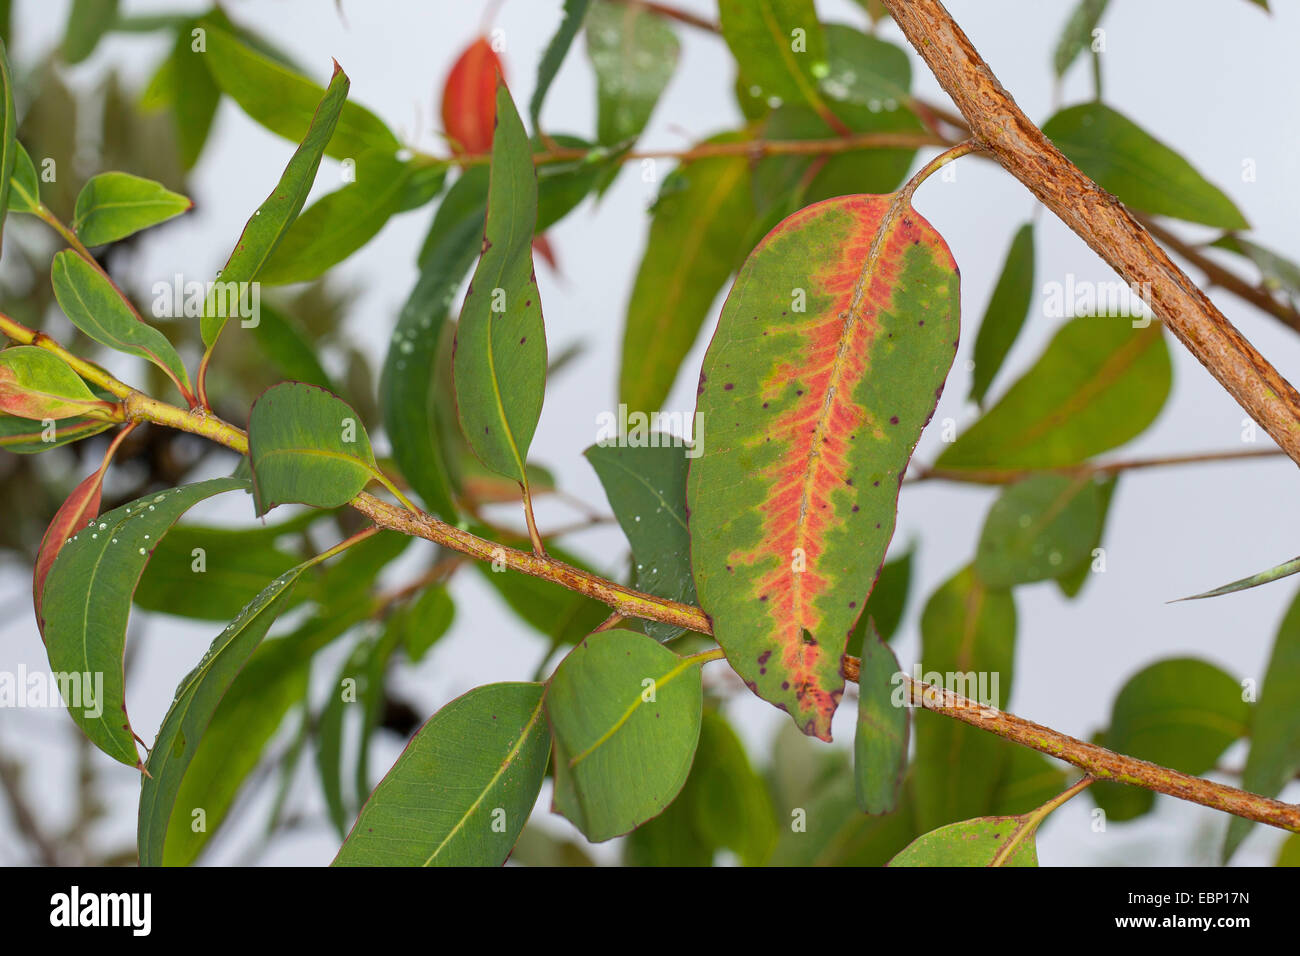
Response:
column 269, row 224
column 633, row 53
column 88, row 21
column 425, row 621
column 88, row 599
column 89, row 299
column 1285, row 569
column 329, row 733
column 112, row 206
column 967, row 630
column 880, row 745
column 190, row 91
column 1077, row 34
column 1274, row 755
column 987, row 841
column 1289, row 855
column 1181, row 713
column 698, row 237
column 499, row 364
column 1072, row 582
column 24, row 185
column 407, row 389
column 1142, row 171
column 1098, row 384
column 625, row 712
column 25, row 437
column 728, row 799
column 162, row 814
column 828, row 360
column 211, row 574
column 36, row 384
column 553, row 56
column 888, row 599
column 9, row 145
column 1038, row 529
column 1277, row 272
column 463, row 788
column 339, row 224
column 779, row 47
column 284, row 102
column 307, row 446
column 1006, row 313
column 288, row 346
column 646, row 487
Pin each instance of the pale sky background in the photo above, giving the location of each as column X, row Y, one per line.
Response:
column 1215, row 82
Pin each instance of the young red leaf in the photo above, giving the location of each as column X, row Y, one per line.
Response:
column 829, row 358
column 81, row 508
column 469, row 98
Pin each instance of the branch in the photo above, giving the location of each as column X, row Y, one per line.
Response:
column 629, row 603
column 1100, row 220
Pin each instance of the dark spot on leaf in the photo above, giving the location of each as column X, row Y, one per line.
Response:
column 728, row 386
column 893, row 419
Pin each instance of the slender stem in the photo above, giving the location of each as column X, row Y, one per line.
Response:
column 672, row 13
column 539, row 548
column 610, row 622
column 1009, row 476
column 936, row 164
column 394, row 490
column 1033, row 818
column 1100, row 220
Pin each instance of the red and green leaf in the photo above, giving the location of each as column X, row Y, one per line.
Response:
column 807, row 421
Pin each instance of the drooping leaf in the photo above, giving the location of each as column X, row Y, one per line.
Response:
column 36, row 384
column 9, row 146
column 1143, row 172
column 185, row 86
column 1072, row 582
column 967, row 631
column 1099, row 383
column 197, row 699
column 646, row 487
column 1006, row 313
column 556, row 49
column 888, row 599
column 112, row 206
column 499, row 364
column 829, row 358
column 89, row 299
column 337, row 225
column 287, row 103
column 407, row 391
column 88, row 599
column 88, row 21
column 1274, row 755
column 698, row 237
column 1181, row 713
column 463, row 788
column 1077, row 34
column 633, row 53
column 1038, row 528
column 469, row 98
column 24, row 185
column 1285, row 569
column 621, row 700
column 271, row 221
column 880, row 744
column 330, row 734
column 779, row 47
column 306, row 445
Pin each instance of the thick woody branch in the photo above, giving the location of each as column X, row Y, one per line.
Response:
column 1100, row 220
